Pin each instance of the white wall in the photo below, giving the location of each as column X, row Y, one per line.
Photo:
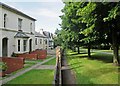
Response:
column 12, row 21
column 0, row 17
column 11, row 30
column 0, row 42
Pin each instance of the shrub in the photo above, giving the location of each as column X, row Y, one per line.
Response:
column 3, row 66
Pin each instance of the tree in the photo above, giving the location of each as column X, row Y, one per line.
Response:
column 90, row 22
column 108, row 19
column 69, row 23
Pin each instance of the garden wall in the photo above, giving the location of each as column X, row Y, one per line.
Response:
column 28, row 56
column 42, row 54
column 12, row 63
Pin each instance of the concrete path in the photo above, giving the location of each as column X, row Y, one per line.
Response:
column 24, row 71
column 51, row 52
column 68, row 77
column 52, row 67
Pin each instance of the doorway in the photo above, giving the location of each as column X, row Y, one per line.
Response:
column 30, row 45
column 5, row 47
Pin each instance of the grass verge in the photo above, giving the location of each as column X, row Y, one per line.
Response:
column 98, row 70
column 34, row 77
column 51, row 62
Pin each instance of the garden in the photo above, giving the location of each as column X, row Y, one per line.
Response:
column 34, row 76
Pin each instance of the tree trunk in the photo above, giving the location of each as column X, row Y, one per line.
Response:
column 74, row 49
column 78, row 50
column 89, row 54
column 116, row 60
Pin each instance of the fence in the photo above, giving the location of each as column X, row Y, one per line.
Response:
column 57, row 76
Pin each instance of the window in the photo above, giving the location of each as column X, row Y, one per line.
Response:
column 31, row 27
column 19, row 24
column 18, row 45
column 36, row 41
column 24, row 45
column 40, row 41
column 45, row 41
column 5, row 19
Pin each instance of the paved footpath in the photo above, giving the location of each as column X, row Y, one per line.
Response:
column 24, row 71
column 51, row 67
column 68, row 77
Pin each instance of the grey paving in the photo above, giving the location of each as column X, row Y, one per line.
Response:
column 51, row 67
column 68, row 77
column 51, row 52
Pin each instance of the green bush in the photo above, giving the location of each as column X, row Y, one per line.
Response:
column 3, row 66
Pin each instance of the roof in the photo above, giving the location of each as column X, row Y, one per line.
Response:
column 15, row 11
column 21, row 34
column 37, row 34
column 48, row 34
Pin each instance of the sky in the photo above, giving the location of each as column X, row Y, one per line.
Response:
column 45, row 12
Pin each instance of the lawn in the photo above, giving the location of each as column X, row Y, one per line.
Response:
column 98, row 70
column 93, row 50
column 51, row 62
column 28, row 63
column 34, row 77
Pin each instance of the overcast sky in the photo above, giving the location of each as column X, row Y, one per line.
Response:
column 47, row 13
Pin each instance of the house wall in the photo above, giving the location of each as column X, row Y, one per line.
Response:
column 0, row 16
column 12, row 21
column 43, row 45
column 0, row 31
column 12, row 28
column 39, row 45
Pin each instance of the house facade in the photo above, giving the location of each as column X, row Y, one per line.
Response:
column 17, row 31
column 49, row 37
column 40, row 41
column 43, row 40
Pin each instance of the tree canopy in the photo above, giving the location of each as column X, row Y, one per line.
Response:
column 91, row 23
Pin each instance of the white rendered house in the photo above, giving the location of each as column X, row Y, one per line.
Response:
column 43, row 40
column 40, row 41
column 49, row 37
column 16, row 31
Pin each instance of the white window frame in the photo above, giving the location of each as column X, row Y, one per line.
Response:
column 19, row 24
column 5, row 20
column 24, row 45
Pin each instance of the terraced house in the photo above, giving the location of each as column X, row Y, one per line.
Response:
column 44, row 40
column 17, row 31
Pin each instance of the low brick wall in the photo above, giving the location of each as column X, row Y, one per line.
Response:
column 12, row 63
column 42, row 54
column 28, row 56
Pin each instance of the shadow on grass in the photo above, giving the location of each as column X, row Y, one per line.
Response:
column 102, row 57
column 75, row 53
column 74, row 56
column 94, row 56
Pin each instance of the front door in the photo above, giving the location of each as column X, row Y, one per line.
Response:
column 30, row 45
column 5, row 47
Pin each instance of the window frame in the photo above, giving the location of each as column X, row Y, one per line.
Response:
column 31, row 27
column 24, row 45
column 5, row 20
column 35, row 41
column 19, row 23
column 18, row 45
